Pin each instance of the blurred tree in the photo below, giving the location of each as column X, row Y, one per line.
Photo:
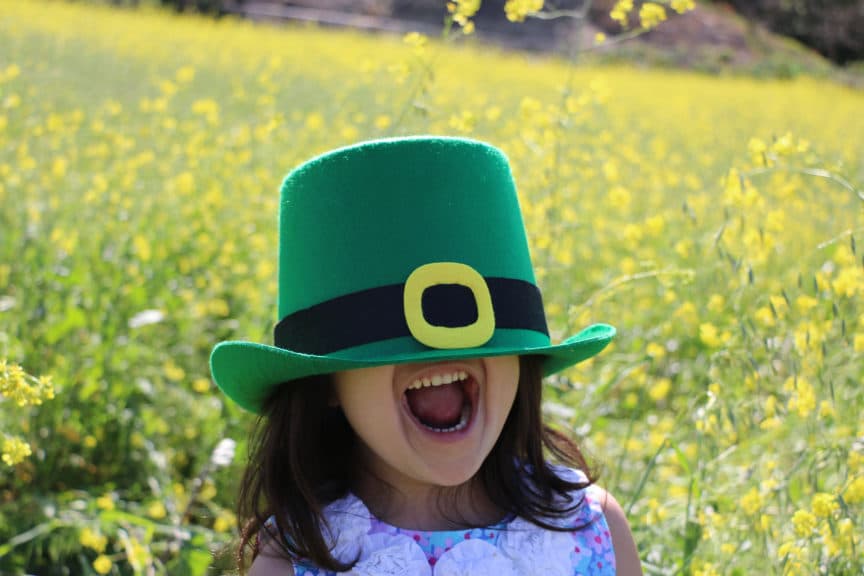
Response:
column 832, row 27
column 204, row 6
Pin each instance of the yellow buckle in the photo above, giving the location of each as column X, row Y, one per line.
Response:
column 475, row 334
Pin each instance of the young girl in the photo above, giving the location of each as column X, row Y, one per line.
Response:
column 401, row 426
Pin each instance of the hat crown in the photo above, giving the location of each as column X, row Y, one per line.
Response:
column 395, row 251
column 368, row 215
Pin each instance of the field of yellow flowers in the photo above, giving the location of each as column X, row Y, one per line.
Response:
column 712, row 220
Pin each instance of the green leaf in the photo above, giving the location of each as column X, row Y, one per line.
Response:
column 73, row 318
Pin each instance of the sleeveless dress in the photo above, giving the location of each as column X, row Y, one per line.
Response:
column 514, row 547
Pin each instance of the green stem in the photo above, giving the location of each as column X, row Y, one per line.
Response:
column 29, row 535
column 818, row 172
column 644, row 479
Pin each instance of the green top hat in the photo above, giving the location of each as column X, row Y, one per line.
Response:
column 399, row 250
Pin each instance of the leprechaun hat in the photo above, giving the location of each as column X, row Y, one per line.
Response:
column 393, row 251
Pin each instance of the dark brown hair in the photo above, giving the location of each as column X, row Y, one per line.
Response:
column 300, row 456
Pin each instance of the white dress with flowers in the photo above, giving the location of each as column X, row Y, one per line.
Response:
column 514, row 547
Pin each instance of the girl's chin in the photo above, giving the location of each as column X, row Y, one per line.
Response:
column 451, row 476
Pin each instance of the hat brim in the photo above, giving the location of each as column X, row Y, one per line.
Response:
column 247, row 372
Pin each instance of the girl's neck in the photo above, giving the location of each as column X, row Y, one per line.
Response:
column 429, row 508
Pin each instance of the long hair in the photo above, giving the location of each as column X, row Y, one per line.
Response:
column 300, row 456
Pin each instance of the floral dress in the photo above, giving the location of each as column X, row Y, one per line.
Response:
column 514, row 547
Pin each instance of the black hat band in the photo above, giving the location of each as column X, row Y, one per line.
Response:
column 378, row 314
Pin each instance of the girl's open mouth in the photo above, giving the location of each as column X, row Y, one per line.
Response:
column 443, row 403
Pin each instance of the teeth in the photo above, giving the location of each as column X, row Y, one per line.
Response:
column 438, row 380
column 463, row 422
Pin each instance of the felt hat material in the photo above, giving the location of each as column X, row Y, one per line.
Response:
column 393, row 251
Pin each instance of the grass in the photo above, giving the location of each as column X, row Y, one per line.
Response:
column 706, row 218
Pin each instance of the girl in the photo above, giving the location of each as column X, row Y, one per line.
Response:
column 401, row 426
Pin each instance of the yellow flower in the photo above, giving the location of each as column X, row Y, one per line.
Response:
column 93, row 540
column 185, row 74
column 849, row 281
column 105, row 502
column 417, row 41
column 651, row 14
column 621, row 12
column 858, row 342
column 137, row 554
column 687, row 313
column 844, row 256
column 654, row 225
column 655, row 350
column 314, row 121
column 682, row 6
column 205, row 107
column 22, row 388
column 824, row 505
column 764, row 316
column 804, row 522
column 11, row 72
column 172, row 371
column 12, row 101
column 518, row 10
column 784, row 145
column 787, row 549
column 463, row 11
column 15, row 450
column 102, row 564
column 711, row 336
column 167, row 88
column 142, row 247
column 757, row 149
column 855, row 462
column 201, row 385
column 854, row 493
column 467, row 8
column 683, row 248
column 716, row 303
column 493, row 113
column 599, row 38
column 660, row 389
column 805, row 303
column 58, row 167
column 208, row 491
column 770, row 423
column 656, row 512
column 751, row 502
column 803, row 399
column 463, row 122
column 382, row 122
column 218, row 307
column 224, row 521
column 349, row 134
column 845, row 528
column 156, row 510
column 779, row 304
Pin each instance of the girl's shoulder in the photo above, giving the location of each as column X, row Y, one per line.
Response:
column 511, row 547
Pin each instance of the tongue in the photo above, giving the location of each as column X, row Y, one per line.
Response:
column 437, row 406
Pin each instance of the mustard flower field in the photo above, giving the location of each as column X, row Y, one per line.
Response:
column 712, row 220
